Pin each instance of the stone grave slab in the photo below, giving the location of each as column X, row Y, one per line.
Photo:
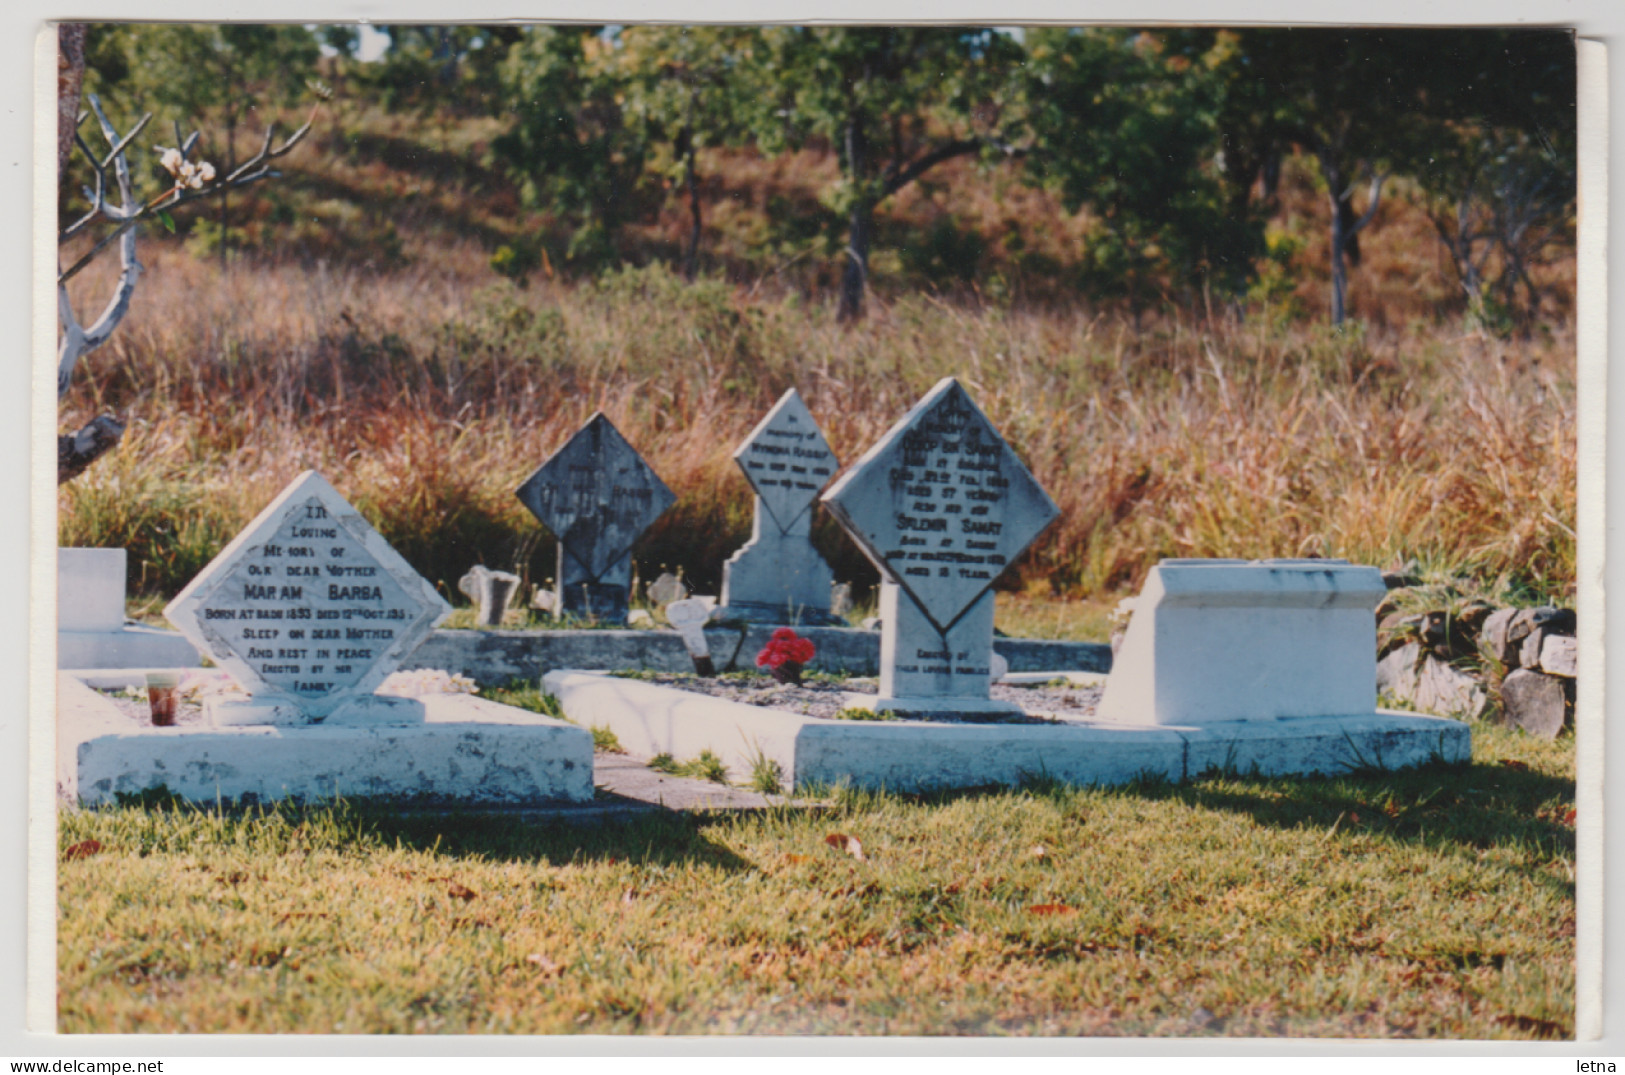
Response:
column 941, row 505
column 309, row 609
column 778, row 576
column 597, row 495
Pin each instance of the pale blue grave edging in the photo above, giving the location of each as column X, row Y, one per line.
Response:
column 913, row 756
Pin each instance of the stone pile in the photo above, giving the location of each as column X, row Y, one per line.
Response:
column 1436, row 661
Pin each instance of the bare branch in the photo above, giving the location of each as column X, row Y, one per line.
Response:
column 175, row 196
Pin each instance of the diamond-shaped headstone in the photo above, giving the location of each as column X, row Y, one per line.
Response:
column 941, row 504
column 308, row 604
column 786, row 459
column 597, row 495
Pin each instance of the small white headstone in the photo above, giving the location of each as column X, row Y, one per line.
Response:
column 597, row 495
column 666, row 589
column 942, row 505
column 778, row 577
column 490, row 591
column 690, row 617
column 309, row 609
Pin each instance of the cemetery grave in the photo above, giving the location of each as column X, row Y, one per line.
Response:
column 597, row 495
column 309, row 610
column 778, row 577
column 941, row 505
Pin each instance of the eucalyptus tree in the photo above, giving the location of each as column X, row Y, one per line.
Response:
column 682, row 85
column 893, row 101
column 1126, row 127
column 570, row 146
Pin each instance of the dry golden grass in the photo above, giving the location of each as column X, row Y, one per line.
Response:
column 377, row 346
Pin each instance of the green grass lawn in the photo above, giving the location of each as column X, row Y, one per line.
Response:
column 1432, row 903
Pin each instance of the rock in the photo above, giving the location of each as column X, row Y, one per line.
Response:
column 1536, row 703
column 1494, row 637
column 544, row 601
column 1446, row 691
column 1559, row 655
column 871, row 623
column 1397, row 581
column 997, row 668
column 639, row 617
column 1397, row 674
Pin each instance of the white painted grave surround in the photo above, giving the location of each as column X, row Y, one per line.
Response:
column 309, row 609
column 597, row 495
column 778, row 576
column 942, row 505
column 91, row 630
column 1230, row 640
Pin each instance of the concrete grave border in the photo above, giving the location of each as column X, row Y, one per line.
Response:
column 468, row 752
column 650, row 719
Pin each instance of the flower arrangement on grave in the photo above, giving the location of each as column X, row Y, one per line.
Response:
column 785, row 655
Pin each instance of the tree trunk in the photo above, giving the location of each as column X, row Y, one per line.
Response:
column 1332, row 171
column 70, row 76
column 231, row 165
column 860, row 225
column 691, row 260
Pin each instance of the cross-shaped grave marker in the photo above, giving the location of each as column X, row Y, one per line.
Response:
column 778, row 577
column 309, row 609
column 942, row 505
column 598, row 496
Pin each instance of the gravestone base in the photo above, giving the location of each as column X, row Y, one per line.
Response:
column 605, row 598
column 778, row 576
column 361, row 711
column 927, row 671
column 467, row 751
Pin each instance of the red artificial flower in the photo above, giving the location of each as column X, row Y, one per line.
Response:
column 784, row 647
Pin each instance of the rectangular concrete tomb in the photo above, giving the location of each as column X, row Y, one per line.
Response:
column 1228, row 640
column 91, row 629
column 466, row 752
column 309, row 610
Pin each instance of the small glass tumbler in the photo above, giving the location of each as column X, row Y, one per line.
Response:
column 161, row 689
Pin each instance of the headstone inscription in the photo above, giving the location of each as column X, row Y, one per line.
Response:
column 309, row 609
column 597, row 496
column 778, row 577
column 941, row 504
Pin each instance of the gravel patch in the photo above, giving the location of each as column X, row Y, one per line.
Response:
column 826, row 698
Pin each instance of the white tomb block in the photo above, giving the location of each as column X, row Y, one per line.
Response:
column 91, row 629
column 778, row 576
column 90, row 589
column 309, row 609
column 597, row 495
column 1229, row 640
column 941, row 504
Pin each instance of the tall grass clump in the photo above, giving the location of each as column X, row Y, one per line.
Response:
column 1219, row 437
